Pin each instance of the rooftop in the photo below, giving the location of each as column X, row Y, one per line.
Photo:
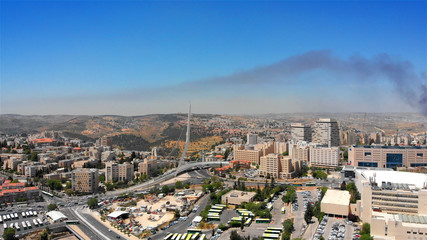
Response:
column 389, row 147
column 416, row 179
column 338, row 197
column 56, row 215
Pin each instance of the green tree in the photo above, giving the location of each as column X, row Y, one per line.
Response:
column 343, row 186
column 15, row 181
column 92, row 203
column 102, row 178
column 52, row 207
column 177, row 214
column 308, row 215
column 178, row 185
column 366, row 229
column 288, row 226
column 9, row 234
column 44, row 235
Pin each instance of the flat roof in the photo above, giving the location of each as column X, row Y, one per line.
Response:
column 56, row 215
column 338, row 197
column 116, row 214
column 417, row 179
column 389, row 147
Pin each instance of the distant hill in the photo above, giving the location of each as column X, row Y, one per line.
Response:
column 128, row 132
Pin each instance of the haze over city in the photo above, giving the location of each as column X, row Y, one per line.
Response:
column 133, row 58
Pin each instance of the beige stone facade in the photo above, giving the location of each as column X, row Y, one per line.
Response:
column 85, row 180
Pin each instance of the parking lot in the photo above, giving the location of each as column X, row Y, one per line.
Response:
column 31, row 221
column 337, row 229
column 298, row 210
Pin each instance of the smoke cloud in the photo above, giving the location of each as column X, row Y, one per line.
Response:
column 411, row 86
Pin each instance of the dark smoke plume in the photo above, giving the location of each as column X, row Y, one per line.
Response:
column 411, row 86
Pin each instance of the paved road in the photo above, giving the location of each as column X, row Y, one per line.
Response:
column 181, row 227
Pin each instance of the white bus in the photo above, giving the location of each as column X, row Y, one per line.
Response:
column 17, row 226
column 16, row 215
column 4, row 225
column 40, row 222
column 28, row 214
column 1, row 219
column 24, row 225
column 23, row 214
column 11, row 225
column 35, row 222
column 29, row 224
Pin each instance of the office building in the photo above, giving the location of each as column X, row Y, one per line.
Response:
column 252, row 153
column 148, row 167
column 394, row 203
column 326, row 132
column 85, row 180
column 387, row 156
column 118, row 172
column 324, row 157
column 270, row 165
column 300, row 132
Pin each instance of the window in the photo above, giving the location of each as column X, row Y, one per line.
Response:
column 394, row 160
column 419, row 155
column 368, row 154
column 367, row 164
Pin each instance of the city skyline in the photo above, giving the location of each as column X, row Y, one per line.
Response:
column 134, row 58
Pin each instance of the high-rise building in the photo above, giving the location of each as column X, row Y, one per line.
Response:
column 326, row 132
column 252, row 139
column 106, row 141
column 118, row 172
column 85, row 180
column 300, row 132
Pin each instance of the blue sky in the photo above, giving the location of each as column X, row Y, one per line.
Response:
column 135, row 57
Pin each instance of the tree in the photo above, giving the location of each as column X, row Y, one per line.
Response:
column 285, row 153
column 92, row 203
column 177, row 214
column 15, row 181
column 288, row 226
column 9, row 234
column 366, row 229
column 44, row 235
column 102, row 178
column 52, row 207
column 178, row 185
column 343, row 186
column 308, row 215
column 321, row 238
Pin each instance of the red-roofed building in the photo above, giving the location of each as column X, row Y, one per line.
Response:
column 44, row 141
column 11, row 192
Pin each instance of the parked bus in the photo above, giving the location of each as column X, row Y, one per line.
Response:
column 68, row 222
column 24, row 225
column 194, row 230
column 283, row 210
column 270, row 235
column 189, row 236
column 4, row 225
column 203, row 237
column 47, row 194
column 12, row 225
column 275, row 229
column 184, row 236
column 41, row 223
column 174, row 236
column 16, row 215
column 1, row 219
column 248, row 222
column 17, row 226
column 263, row 220
column 23, row 214
column 217, row 207
column 272, row 231
column 168, row 237
column 35, row 222
column 178, row 237
column 215, row 210
column 29, row 224
column 195, row 236
column 220, row 205
column 213, row 218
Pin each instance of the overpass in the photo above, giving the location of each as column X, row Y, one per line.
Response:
column 168, row 175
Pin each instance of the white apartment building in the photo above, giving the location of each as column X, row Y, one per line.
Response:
column 324, row 157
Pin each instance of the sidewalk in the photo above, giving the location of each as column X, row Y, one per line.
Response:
column 311, row 230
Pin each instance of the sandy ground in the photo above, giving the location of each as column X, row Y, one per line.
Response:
column 184, row 177
column 107, row 224
column 154, row 220
column 79, row 231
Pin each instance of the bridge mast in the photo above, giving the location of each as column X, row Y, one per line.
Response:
column 187, row 139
